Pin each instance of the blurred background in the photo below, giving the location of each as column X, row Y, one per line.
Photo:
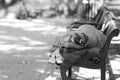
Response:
column 23, row 9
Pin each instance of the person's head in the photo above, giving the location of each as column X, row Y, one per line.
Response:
column 80, row 39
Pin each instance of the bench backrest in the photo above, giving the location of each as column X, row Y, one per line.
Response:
column 97, row 21
column 110, row 30
column 102, row 12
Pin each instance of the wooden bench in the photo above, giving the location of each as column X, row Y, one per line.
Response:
column 110, row 31
column 97, row 21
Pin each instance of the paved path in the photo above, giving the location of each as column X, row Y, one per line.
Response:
column 24, row 51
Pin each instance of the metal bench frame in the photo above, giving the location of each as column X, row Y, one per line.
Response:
column 97, row 22
column 109, row 32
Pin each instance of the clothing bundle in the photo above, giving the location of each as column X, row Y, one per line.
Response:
column 84, row 42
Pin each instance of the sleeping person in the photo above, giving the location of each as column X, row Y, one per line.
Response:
column 81, row 42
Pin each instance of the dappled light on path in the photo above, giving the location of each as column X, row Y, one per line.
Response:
column 10, row 43
column 28, row 42
column 24, row 46
column 21, row 43
column 35, row 25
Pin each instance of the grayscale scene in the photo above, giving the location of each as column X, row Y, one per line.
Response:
column 59, row 40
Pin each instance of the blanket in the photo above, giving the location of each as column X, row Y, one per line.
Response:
column 86, row 36
column 85, row 41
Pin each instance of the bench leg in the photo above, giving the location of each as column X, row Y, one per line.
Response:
column 70, row 72
column 63, row 68
column 111, row 75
